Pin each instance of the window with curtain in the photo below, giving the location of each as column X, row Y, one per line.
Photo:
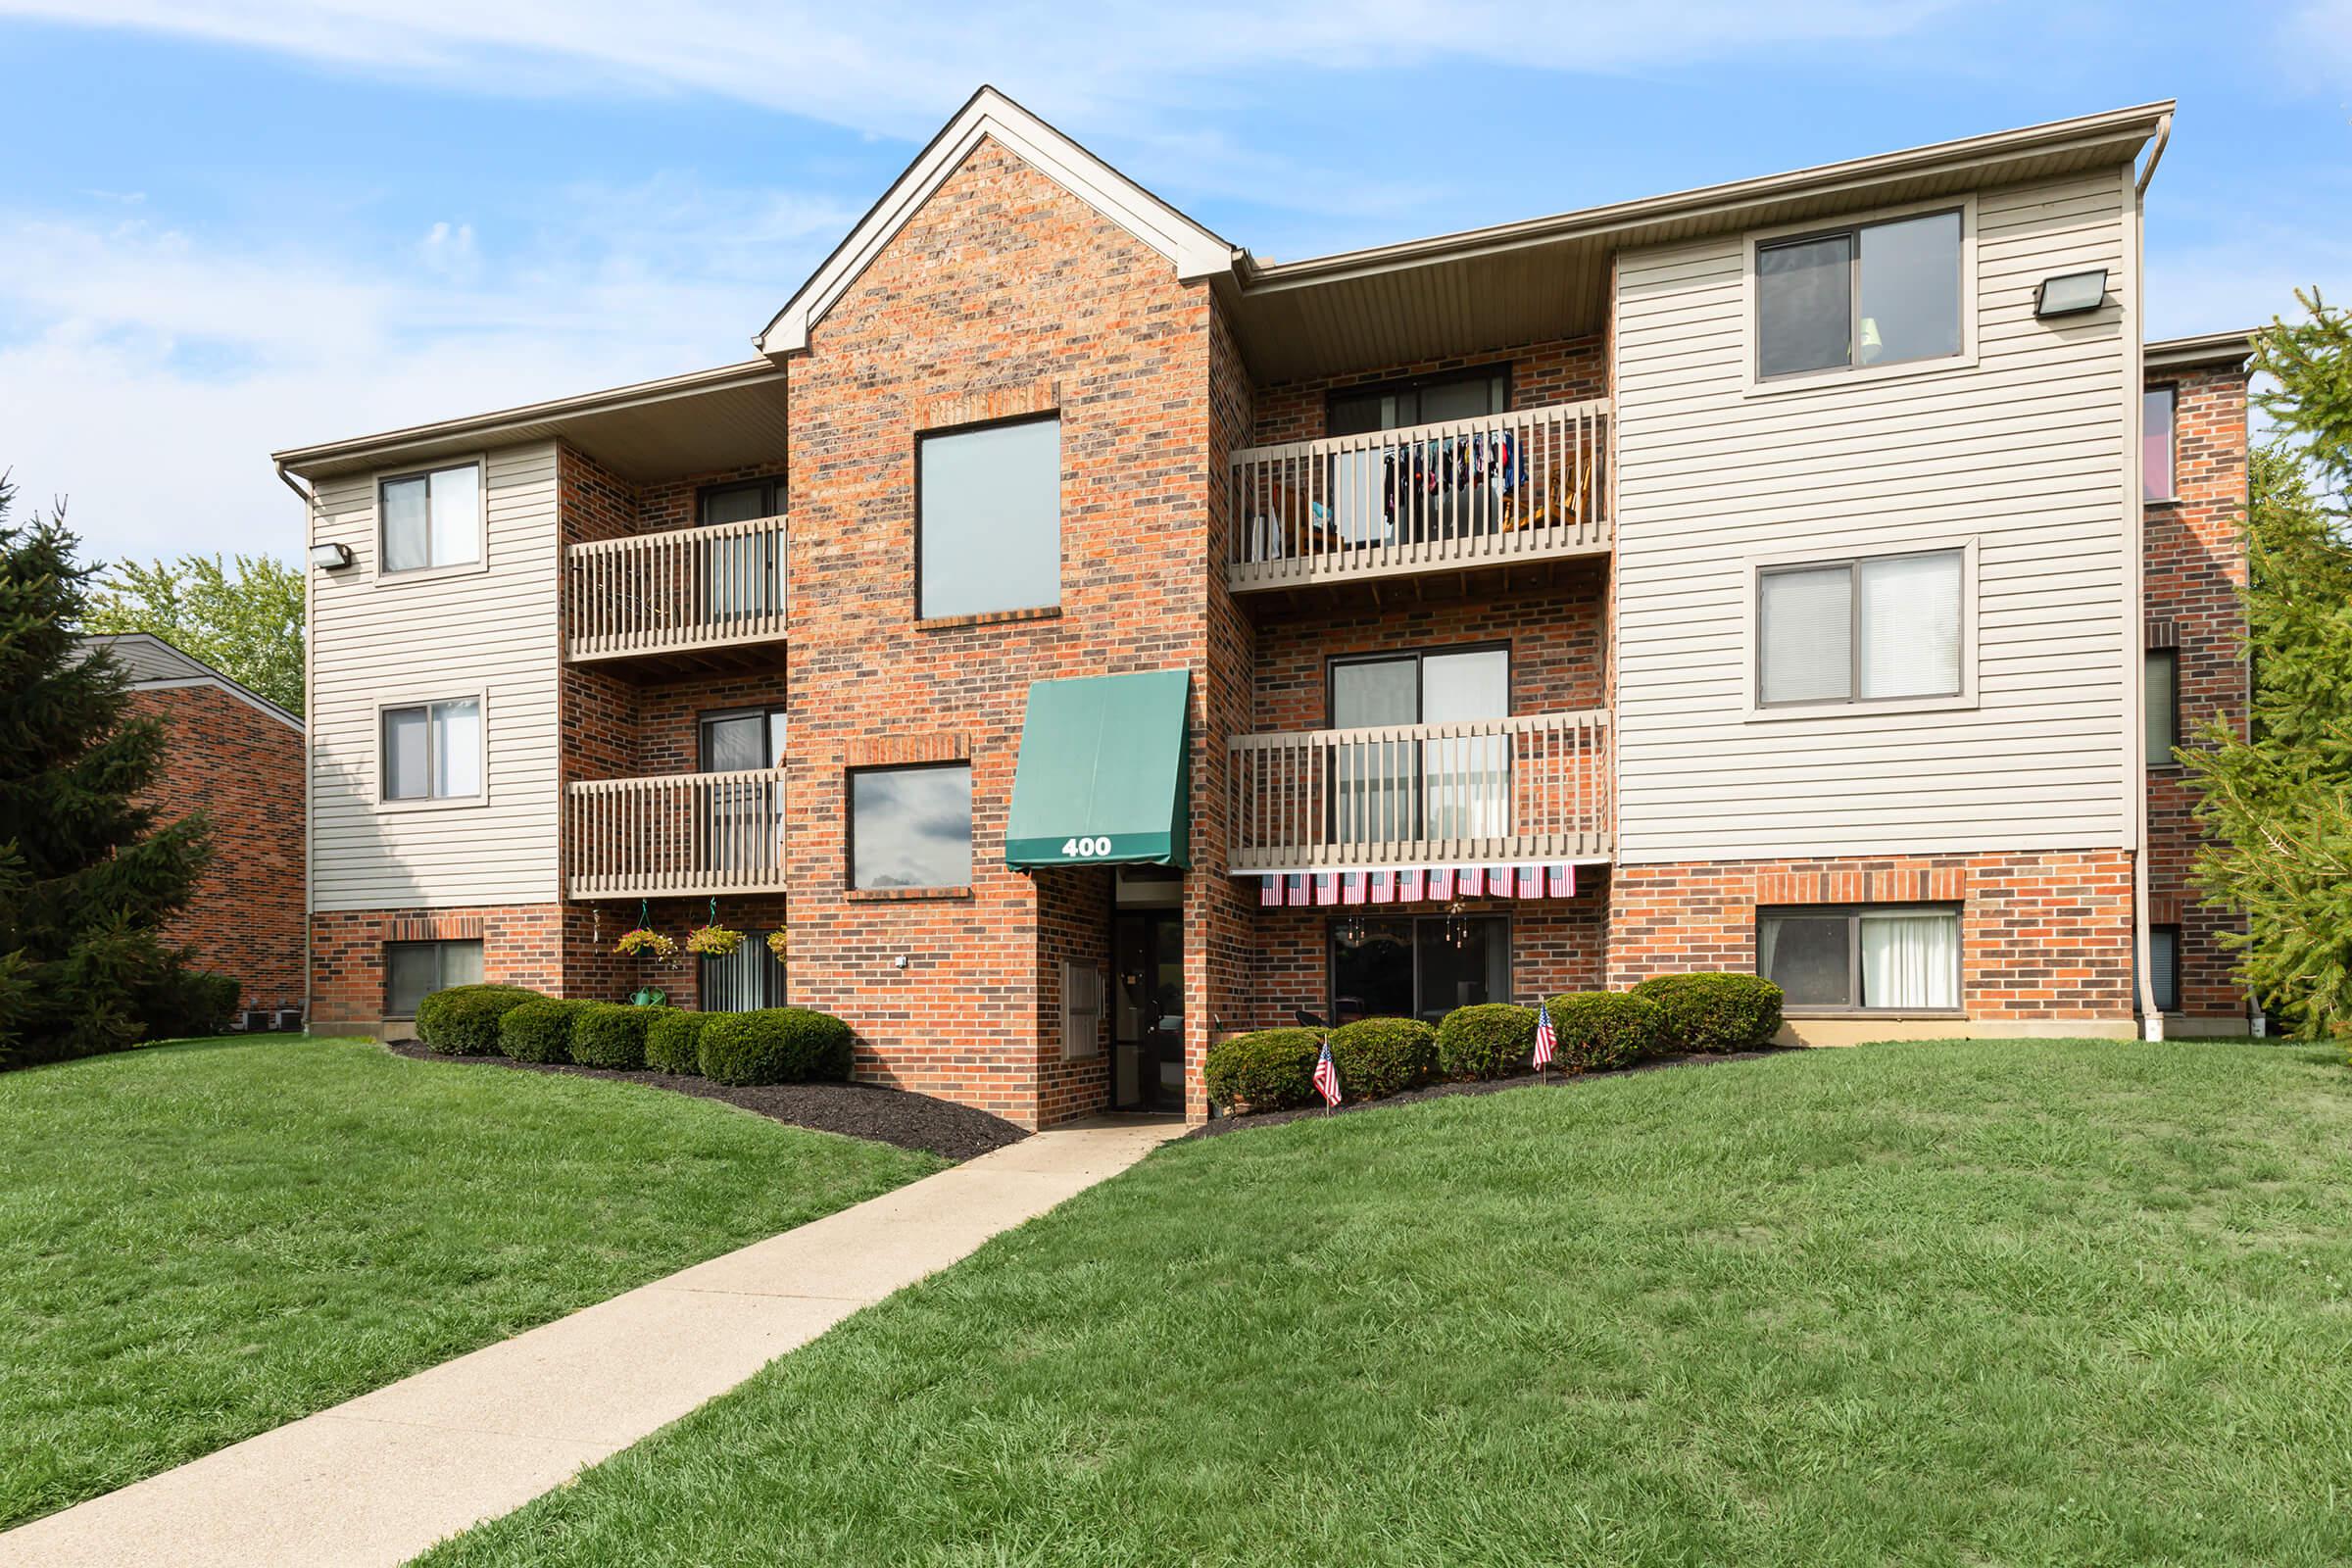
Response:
column 433, row 518
column 1871, row 294
column 1868, row 630
column 744, row 981
column 1456, row 787
column 2160, row 697
column 433, row 750
column 1862, row 959
column 988, row 502
column 2157, row 467
column 414, row 970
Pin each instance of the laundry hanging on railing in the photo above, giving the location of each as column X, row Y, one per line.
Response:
column 1451, row 462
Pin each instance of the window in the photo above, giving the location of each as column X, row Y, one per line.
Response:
column 433, row 750
column 1874, row 294
column 743, row 576
column 433, row 518
column 911, row 827
column 2164, row 953
column 743, row 818
column 414, row 970
column 1857, row 959
column 1887, row 626
column 989, row 515
column 2161, row 704
column 2156, row 443
column 1365, row 488
column 1398, row 405
column 1455, row 788
column 744, row 981
column 1417, row 967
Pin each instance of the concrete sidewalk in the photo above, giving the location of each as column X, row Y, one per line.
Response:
column 380, row 1479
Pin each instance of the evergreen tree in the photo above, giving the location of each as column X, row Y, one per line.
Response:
column 87, row 876
column 2277, row 805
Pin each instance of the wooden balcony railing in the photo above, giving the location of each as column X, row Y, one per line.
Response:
column 676, row 591
column 677, row 835
column 1504, row 789
column 1527, row 486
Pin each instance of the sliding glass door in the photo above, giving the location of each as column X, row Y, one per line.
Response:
column 1385, row 790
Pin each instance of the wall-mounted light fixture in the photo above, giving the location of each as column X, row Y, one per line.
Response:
column 330, row 557
column 2071, row 293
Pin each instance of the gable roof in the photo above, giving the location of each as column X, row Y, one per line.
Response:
column 1193, row 250
column 154, row 664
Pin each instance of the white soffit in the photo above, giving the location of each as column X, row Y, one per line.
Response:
column 1193, row 251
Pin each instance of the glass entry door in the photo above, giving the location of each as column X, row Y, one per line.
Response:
column 1147, row 1050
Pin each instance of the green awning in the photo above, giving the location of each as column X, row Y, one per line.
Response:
column 1103, row 774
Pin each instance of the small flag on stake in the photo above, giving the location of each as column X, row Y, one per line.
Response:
column 1327, row 1075
column 1545, row 1041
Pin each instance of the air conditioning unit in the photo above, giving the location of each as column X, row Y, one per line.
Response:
column 254, row 1020
column 290, row 1021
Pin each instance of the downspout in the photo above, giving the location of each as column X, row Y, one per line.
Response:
column 309, row 718
column 2136, row 659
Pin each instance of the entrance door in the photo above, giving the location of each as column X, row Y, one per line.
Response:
column 1147, row 1051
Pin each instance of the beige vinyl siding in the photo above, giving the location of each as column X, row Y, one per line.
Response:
column 492, row 631
column 2024, row 452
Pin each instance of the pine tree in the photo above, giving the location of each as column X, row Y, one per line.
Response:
column 2277, row 805
column 87, row 876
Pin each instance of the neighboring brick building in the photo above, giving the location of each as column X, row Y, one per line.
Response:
column 1660, row 587
column 237, row 757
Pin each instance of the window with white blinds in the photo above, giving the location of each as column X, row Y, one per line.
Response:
column 1867, row 630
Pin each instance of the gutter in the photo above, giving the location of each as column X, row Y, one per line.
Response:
column 2136, row 660
column 309, row 699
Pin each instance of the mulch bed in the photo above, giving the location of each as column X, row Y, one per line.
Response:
column 859, row 1110
column 1484, row 1086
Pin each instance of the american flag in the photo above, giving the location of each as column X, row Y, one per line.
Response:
column 1327, row 1075
column 1269, row 893
column 1546, row 1040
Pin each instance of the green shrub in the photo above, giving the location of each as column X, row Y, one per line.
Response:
column 1272, row 1069
column 774, row 1046
column 1491, row 1040
column 1382, row 1057
column 463, row 1020
column 1597, row 1030
column 539, row 1030
column 612, row 1034
column 183, row 1004
column 673, row 1040
column 1712, row 1013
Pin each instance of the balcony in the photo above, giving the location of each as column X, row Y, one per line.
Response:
column 1531, row 788
column 1525, row 486
column 678, row 835
column 679, row 601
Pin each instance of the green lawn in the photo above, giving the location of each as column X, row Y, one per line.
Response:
column 199, row 1242
column 1934, row 1303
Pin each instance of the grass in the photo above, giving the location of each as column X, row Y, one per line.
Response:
column 199, row 1242
column 1934, row 1303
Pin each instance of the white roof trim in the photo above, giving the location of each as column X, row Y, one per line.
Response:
column 1195, row 251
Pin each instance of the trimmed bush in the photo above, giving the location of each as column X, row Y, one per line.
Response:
column 1272, row 1069
column 1597, row 1030
column 1382, row 1057
column 612, row 1034
column 673, row 1040
column 539, row 1030
column 773, row 1045
column 1492, row 1040
column 183, row 1003
column 463, row 1020
column 1714, row 1013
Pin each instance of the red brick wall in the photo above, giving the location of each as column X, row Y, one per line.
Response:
column 243, row 769
column 1003, row 295
column 2042, row 935
column 522, row 944
column 2195, row 569
column 1560, row 371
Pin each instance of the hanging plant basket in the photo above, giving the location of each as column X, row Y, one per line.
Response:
column 644, row 942
column 712, row 941
column 775, row 945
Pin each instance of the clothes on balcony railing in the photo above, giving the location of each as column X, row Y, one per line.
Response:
column 1434, row 884
column 1438, row 489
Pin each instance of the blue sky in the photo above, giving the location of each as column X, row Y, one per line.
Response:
column 233, row 225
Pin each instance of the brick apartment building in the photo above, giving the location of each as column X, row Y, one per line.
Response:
column 237, row 757
column 1084, row 638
